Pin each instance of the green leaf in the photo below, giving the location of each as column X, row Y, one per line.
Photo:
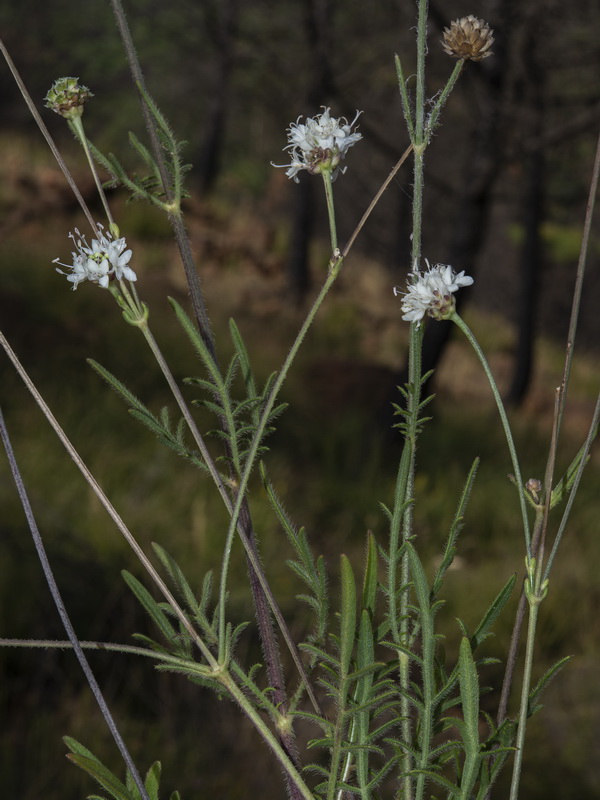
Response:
column 177, row 576
column 152, row 782
column 152, row 608
column 347, row 615
column 455, row 528
column 365, row 656
column 102, row 775
column 369, row 593
column 469, row 692
column 120, row 388
column 493, row 612
column 543, row 682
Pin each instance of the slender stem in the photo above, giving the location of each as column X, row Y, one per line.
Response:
column 175, row 218
column 191, row 423
column 335, row 266
column 219, row 672
column 271, row 740
column 505, row 424
column 46, row 134
column 414, row 390
column 573, row 492
column 102, row 497
column 266, row 632
column 420, row 88
column 580, row 274
column 419, row 143
column 376, row 199
column 515, row 637
column 112, row 647
column 330, row 208
column 410, row 444
column 76, row 125
column 520, row 742
column 64, row 616
column 249, row 547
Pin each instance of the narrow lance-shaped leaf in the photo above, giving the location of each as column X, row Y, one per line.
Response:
column 149, row 603
column 347, row 615
column 493, row 612
column 455, row 529
column 365, row 657
column 369, row 594
column 469, row 694
column 543, row 682
column 87, row 761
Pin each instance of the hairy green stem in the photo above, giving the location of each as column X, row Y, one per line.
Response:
column 271, row 740
column 414, row 388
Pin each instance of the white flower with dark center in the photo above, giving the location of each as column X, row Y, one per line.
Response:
column 319, row 144
column 431, row 292
column 104, row 259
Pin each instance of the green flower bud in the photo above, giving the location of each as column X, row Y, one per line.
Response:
column 67, row 97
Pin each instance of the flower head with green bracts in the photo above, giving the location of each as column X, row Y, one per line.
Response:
column 319, row 144
column 431, row 292
column 105, row 259
column 67, row 97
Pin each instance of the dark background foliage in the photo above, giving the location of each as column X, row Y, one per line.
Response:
column 506, row 186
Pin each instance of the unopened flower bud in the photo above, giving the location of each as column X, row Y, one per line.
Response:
column 469, row 38
column 67, row 97
column 534, row 487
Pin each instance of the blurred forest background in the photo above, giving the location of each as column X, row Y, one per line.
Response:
column 506, row 187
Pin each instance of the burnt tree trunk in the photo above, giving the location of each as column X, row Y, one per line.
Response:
column 210, row 157
column 532, row 215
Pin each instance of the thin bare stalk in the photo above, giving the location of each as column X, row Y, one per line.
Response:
column 76, row 125
column 376, row 199
column 63, row 614
column 112, row 512
column 46, row 134
column 585, row 243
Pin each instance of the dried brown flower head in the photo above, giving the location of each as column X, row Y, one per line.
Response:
column 469, row 38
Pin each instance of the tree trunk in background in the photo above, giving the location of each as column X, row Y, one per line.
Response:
column 209, row 160
column 297, row 264
column 532, row 214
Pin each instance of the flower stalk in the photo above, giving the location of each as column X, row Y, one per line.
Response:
column 505, row 424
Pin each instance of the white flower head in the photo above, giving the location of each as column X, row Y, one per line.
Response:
column 104, row 259
column 319, row 144
column 431, row 292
